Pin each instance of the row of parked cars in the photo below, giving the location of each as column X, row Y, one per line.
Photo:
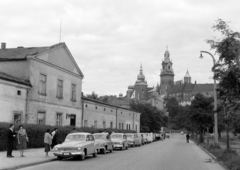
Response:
column 81, row 144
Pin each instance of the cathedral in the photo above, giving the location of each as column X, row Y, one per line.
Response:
column 183, row 90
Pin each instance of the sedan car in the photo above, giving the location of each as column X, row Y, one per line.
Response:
column 134, row 139
column 104, row 141
column 119, row 141
column 77, row 145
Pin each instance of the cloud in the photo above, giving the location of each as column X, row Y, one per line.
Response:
column 109, row 39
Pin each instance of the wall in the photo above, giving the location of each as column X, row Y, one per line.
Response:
column 50, row 103
column 95, row 111
column 12, row 102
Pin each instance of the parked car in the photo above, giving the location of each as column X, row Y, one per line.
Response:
column 144, row 138
column 119, row 141
column 104, row 141
column 133, row 139
column 77, row 145
column 181, row 133
column 149, row 137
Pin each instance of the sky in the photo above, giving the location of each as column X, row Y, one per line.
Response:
column 109, row 39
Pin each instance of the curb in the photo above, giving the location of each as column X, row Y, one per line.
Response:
column 30, row 164
column 212, row 156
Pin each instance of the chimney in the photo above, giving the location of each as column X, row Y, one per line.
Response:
column 3, row 46
column 195, row 82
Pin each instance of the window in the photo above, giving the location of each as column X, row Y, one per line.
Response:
column 86, row 105
column 41, row 118
column 59, row 89
column 111, row 125
column 127, row 126
column 17, row 118
column 104, row 109
column 73, row 93
column 43, row 84
column 111, row 110
column 85, row 123
column 59, row 119
column 19, row 92
column 119, row 126
column 95, row 107
column 122, row 126
column 136, row 127
column 95, row 124
column 104, row 124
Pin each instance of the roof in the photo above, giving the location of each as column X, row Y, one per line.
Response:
column 187, row 74
column 80, row 133
column 20, row 52
column 100, row 102
column 177, row 88
column 8, row 77
column 202, row 87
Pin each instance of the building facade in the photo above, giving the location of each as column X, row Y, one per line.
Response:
column 56, row 80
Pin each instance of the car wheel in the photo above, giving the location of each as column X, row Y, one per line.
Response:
column 59, row 158
column 82, row 157
column 95, row 153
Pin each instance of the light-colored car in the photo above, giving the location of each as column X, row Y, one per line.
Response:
column 144, row 138
column 104, row 141
column 133, row 139
column 149, row 137
column 119, row 141
column 181, row 133
column 77, row 145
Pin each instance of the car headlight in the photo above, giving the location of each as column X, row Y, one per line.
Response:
column 55, row 148
column 79, row 148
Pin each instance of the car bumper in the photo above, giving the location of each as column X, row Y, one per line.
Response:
column 68, row 154
column 118, row 146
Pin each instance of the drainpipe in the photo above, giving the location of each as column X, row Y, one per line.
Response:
column 26, row 107
column 82, row 112
column 116, row 118
column 133, row 121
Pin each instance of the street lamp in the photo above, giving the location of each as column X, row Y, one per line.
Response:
column 215, row 100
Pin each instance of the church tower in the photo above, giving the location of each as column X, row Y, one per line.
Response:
column 167, row 74
column 140, row 87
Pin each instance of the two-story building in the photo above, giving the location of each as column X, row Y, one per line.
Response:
column 55, row 79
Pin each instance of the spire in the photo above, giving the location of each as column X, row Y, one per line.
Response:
column 187, row 74
column 141, row 68
column 167, row 55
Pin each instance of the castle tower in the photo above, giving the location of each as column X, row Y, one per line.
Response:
column 187, row 78
column 167, row 74
column 140, row 87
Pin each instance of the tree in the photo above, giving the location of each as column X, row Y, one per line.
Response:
column 227, row 72
column 151, row 119
column 93, row 96
column 172, row 107
column 201, row 111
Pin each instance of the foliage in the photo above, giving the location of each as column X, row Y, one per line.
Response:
column 201, row 113
column 151, row 118
column 95, row 96
column 172, row 107
column 36, row 133
column 227, row 72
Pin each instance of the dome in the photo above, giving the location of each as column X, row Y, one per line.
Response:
column 141, row 77
column 130, row 87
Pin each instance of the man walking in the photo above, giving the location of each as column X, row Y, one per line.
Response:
column 188, row 136
column 10, row 140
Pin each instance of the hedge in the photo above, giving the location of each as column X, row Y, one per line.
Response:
column 36, row 133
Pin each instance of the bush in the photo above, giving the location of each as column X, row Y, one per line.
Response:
column 36, row 133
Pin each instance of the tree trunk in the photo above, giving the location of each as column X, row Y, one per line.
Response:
column 227, row 139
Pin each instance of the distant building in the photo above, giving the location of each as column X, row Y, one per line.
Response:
column 184, row 91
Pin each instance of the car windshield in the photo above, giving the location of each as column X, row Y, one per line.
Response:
column 129, row 135
column 99, row 136
column 116, row 136
column 71, row 138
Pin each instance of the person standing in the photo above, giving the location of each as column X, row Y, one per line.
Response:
column 187, row 136
column 54, row 137
column 47, row 141
column 22, row 139
column 10, row 140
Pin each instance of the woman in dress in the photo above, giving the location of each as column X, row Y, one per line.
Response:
column 22, row 139
column 47, row 141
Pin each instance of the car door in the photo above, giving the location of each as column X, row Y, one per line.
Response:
column 92, row 144
column 108, row 142
column 125, row 140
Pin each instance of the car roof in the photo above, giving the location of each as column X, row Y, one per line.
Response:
column 80, row 133
column 100, row 133
column 117, row 134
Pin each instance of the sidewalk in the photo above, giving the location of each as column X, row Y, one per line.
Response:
column 32, row 157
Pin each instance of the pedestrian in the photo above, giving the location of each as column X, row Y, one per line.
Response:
column 54, row 138
column 10, row 140
column 22, row 139
column 188, row 136
column 47, row 141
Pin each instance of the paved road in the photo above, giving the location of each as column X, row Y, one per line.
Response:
column 170, row 154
